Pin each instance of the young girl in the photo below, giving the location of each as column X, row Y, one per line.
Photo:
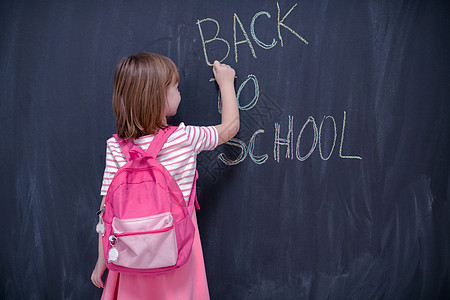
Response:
column 145, row 94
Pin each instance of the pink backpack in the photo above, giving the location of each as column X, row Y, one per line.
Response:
column 148, row 224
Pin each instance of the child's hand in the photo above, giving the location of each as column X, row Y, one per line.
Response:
column 229, row 126
column 96, row 276
column 223, row 73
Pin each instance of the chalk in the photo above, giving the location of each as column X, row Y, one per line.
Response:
column 213, row 79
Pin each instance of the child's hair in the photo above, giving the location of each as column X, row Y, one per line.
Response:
column 140, row 91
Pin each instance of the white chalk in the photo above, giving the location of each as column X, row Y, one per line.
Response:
column 213, row 79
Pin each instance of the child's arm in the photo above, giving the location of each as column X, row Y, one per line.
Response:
column 100, row 266
column 229, row 127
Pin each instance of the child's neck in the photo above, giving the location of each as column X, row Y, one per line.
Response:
column 164, row 121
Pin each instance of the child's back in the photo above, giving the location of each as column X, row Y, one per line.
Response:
column 145, row 93
column 178, row 155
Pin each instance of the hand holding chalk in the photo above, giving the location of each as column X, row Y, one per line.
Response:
column 223, row 74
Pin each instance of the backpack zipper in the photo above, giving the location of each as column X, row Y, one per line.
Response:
column 144, row 232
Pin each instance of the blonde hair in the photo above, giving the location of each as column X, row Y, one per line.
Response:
column 140, row 92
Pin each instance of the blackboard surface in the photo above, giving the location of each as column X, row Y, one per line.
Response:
column 336, row 187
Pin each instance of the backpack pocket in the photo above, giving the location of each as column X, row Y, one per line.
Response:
column 144, row 243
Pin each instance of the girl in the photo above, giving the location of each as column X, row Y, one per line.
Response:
column 145, row 94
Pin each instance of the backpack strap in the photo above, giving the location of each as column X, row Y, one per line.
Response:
column 193, row 197
column 154, row 148
column 125, row 145
column 159, row 140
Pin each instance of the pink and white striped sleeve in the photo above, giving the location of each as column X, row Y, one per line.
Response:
column 113, row 153
column 202, row 137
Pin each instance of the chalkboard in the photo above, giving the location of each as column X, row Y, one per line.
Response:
column 336, row 186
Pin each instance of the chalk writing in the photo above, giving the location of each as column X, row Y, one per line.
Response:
column 317, row 139
column 320, row 137
column 297, row 151
column 242, row 155
column 215, row 38
column 246, row 40
column 252, row 31
column 280, row 24
column 342, row 141
column 244, row 151
column 288, row 141
column 251, row 147
column 254, row 100
column 256, row 96
column 279, row 142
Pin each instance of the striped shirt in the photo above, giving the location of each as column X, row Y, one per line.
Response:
column 178, row 155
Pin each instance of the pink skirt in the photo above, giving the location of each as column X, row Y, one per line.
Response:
column 186, row 283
